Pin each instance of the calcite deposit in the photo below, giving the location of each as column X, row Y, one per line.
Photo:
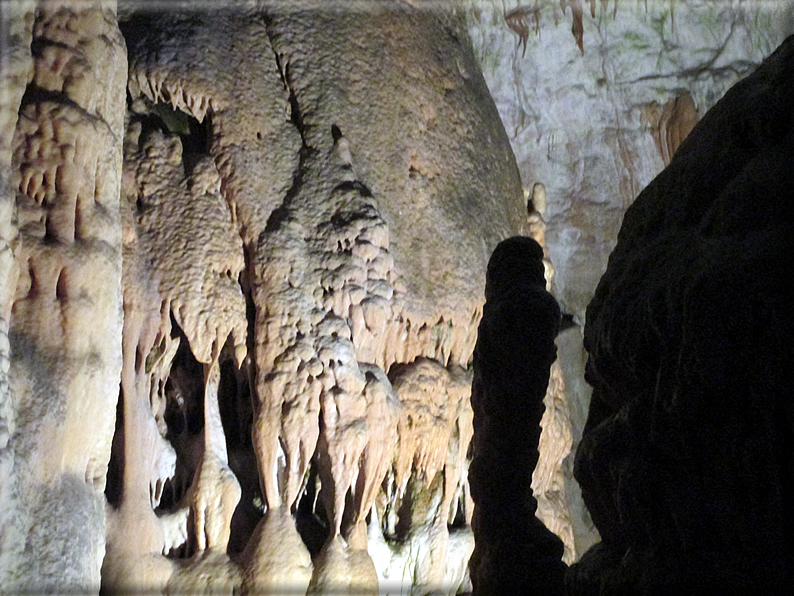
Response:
column 243, row 253
column 16, row 22
column 239, row 307
column 63, row 158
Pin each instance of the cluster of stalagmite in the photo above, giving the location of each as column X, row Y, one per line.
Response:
column 267, row 270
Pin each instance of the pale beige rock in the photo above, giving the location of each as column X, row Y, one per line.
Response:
column 427, row 422
column 66, row 318
column 215, row 491
column 187, row 236
column 357, row 245
column 456, row 484
column 209, row 572
column 276, row 558
column 339, row 568
column 131, row 565
column 548, row 479
column 225, row 66
column 435, row 430
column 382, row 415
column 536, row 207
column 559, row 502
column 16, row 22
column 184, row 260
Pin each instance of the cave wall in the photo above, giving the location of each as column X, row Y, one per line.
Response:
column 595, row 125
column 595, row 97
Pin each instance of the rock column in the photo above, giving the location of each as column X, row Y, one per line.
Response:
column 66, row 318
column 514, row 552
column 16, row 19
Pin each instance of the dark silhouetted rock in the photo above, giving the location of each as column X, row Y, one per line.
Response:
column 514, row 552
column 687, row 457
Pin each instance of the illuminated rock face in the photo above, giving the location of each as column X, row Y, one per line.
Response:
column 62, row 298
column 268, row 268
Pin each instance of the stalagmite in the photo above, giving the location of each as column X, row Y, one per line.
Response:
column 131, row 565
column 215, row 491
column 212, row 499
column 181, row 266
column 434, row 434
column 327, row 357
column 548, row 480
column 514, row 552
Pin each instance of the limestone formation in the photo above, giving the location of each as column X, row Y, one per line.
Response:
column 238, row 310
column 514, row 552
column 579, row 120
column 268, row 268
column 16, row 23
column 549, row 485
column 62, row 165
column 675, row 121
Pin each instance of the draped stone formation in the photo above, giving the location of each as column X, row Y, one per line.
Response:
column 267, row 267
column 16, row 20
column 64, row 327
